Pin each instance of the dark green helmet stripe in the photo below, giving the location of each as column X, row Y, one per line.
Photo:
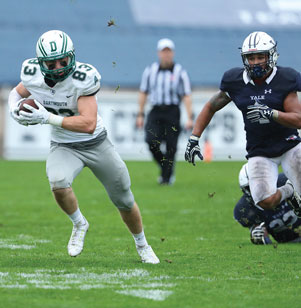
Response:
column 64, row 46
column 42, row 48
column 63, row 43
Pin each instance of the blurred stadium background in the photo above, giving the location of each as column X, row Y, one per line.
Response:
column 207, row 35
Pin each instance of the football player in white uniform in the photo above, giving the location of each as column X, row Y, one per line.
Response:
column 65, row 93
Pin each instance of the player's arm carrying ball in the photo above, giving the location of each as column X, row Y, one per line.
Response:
column 36, row 113
column 39, row 115
column 14, row 102
column 28, row 114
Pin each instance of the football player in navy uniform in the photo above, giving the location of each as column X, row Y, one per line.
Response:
column 281, row 223
column 65, row 93
column 266, row 95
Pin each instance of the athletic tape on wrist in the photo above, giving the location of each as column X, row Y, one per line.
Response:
column 55, row 120
column 275, row 114
column 194, row 137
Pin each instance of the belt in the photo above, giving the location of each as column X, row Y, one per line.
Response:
column 165, row 107
column 83, row 145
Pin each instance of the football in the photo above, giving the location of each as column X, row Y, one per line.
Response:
column 30, row 102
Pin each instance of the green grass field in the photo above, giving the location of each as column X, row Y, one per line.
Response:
column 206, row 257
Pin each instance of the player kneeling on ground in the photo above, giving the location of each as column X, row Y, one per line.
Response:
column 65, row 94
column 281, row 223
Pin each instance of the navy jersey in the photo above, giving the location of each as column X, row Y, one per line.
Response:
column 281, row 223
column 269, row 139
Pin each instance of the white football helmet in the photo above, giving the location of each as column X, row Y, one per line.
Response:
column 243, row 179
column 54, row 45
column 259, row 42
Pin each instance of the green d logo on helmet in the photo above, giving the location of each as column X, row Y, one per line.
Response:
column 55, row 45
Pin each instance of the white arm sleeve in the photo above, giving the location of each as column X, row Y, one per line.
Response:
column 13, row 99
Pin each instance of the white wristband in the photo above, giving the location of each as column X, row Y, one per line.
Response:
column 193, row 137
column 275, row 114
column 55, row 120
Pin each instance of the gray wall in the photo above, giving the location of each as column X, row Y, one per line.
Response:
column 207, row 34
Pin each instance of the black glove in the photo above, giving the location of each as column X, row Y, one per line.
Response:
column 259, row 235
column 261, row 113
column 193, row 149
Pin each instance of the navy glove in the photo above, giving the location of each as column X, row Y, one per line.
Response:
column 193, row 149
column 261, row 113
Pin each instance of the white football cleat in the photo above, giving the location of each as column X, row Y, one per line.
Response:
column 147, row 255
column 76, row 242
column 294, row 201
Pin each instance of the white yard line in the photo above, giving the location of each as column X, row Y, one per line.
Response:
column 156, row 295
column 137, row 282
column 15, row 246
column 22, row 241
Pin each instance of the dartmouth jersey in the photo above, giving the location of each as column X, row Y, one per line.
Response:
column 264, row 139
column 62, row 98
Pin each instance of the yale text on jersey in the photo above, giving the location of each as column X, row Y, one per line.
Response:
column 257, row 97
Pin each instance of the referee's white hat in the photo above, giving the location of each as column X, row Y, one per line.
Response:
column 165, row 43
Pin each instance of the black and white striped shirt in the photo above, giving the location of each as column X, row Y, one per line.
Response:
column 165, row 86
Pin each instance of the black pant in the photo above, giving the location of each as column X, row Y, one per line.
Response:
column 163, row 125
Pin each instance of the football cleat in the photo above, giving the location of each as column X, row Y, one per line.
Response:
column 170, row 181
column 295, row 202
column 147, row 255
column 76, row 242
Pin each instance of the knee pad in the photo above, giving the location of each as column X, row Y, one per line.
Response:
column 122, row 195
column 118, row 186
column 124, row 201
column 58, row 180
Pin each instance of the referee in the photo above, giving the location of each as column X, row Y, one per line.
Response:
column 167, row 84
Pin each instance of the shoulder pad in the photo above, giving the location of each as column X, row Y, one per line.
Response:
column 30, row 70
column 86, row 78
column 289, row 78
column 287, row 72
column 230, row 79
column 233, row 74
